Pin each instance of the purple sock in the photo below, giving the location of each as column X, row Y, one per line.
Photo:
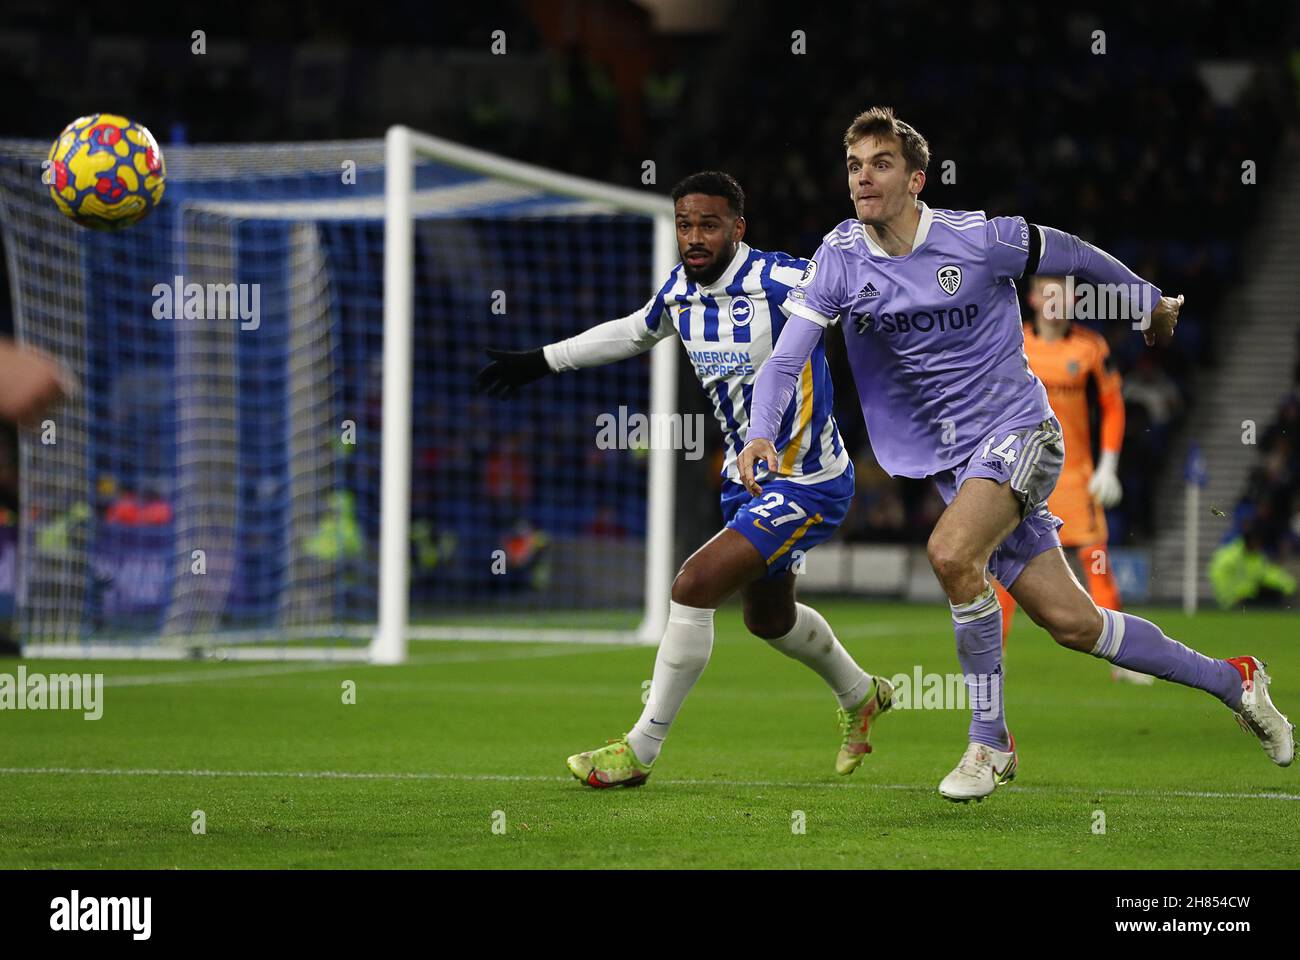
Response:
column 978, row 626
column 1138, row 644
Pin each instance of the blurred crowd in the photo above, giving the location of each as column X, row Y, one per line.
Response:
column 1268, row 513
column 1258, row 559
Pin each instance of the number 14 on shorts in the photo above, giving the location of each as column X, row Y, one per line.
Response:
column 1005, row 450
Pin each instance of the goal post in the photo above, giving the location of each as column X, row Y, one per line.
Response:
column 390, row 641
column 251, row 490
column 402, row 149
column 663, row 461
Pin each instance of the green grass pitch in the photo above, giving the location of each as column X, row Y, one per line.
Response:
column 466, row 738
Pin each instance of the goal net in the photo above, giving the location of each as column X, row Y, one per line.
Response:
column 276, row 448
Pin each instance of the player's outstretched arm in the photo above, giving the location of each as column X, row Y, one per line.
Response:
column 773, row 389
column 1054, row 252
column 604, row 343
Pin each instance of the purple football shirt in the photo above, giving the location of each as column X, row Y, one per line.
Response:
column 934, row 337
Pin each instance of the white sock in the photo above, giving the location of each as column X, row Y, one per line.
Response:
column 813, row 643
column 683, row 654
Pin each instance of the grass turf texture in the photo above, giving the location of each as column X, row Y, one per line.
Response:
column 410, row 776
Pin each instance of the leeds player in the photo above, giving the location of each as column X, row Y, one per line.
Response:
column 934, row 338
column 725, row 301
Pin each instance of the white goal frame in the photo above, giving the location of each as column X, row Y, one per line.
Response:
column 388, row 641
column 401, row 148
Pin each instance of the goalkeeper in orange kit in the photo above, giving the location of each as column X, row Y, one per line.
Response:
column 1075, row 365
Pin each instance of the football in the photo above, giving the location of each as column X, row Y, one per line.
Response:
column 105, row 172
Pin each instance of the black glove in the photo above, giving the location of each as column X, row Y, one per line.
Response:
column 511, row 369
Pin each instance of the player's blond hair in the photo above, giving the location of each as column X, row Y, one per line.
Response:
column 880, row 122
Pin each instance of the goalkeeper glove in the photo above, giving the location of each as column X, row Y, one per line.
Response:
column 1104, row 485
column 511, row 369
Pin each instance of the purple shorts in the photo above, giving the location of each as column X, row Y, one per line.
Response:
column 1030, row 460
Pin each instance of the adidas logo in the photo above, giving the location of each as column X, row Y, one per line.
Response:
column 868, row 291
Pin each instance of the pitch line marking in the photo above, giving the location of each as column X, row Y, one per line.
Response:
column 527, row 778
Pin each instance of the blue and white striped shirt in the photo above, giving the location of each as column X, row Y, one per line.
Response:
column 728, row 329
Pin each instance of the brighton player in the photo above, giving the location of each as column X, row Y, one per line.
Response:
column 1078, row 372
column 724, row 300
column 928, row 303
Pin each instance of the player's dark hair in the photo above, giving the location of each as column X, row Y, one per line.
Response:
column 713, row 183
column 880, row 122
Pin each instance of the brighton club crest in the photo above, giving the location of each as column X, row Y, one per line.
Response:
column 949, row 277
column 742, row 311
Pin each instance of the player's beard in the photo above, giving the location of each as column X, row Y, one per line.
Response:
column 715, row 269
